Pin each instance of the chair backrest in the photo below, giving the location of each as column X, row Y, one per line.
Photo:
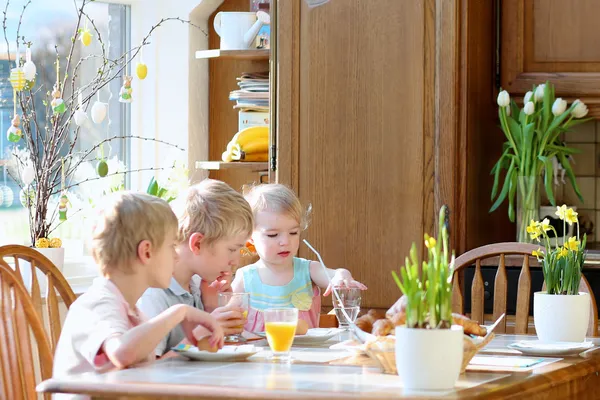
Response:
column 18, row 325
column 501, row 250
column 55, row 282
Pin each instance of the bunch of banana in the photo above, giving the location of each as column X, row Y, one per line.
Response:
column 250, row 144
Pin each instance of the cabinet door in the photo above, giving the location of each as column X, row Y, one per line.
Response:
column 552, row 40
column 355, row 131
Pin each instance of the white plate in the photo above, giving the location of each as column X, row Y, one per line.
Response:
column 315, row 335
column 227, row 353
column 537, row 348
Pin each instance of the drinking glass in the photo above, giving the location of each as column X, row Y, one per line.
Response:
column 350, row 302
column 241, row 300
column 280, row 327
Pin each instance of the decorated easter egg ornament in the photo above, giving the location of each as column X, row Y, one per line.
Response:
column 141, row 69
column 29, row 70
column 80, row 116
column 86, row 36
column 102, row 168
column 8, row 196
column 28, row 174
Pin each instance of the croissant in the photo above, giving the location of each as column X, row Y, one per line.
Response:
column 470, row 327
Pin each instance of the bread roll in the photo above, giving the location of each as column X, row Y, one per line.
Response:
column 383, row 327
column 365, row 323
column 204, row 345
column 302, row 327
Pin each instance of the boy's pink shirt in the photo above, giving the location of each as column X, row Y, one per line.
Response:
column 100, row 313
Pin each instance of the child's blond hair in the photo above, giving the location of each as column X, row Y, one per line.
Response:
column 126, row 220
column 278, row 198
column 214, row 209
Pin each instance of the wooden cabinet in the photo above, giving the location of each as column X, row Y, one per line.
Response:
column 364, row 132
column 552, row 40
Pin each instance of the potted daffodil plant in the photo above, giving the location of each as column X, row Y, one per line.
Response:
column 429, row 336
column 561, row 312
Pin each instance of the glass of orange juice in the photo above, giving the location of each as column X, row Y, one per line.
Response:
column 280, row 327
column 241, row 300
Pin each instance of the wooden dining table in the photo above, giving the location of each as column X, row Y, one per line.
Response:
column 311, row 375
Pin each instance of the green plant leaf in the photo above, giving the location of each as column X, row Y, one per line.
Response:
column 548, row 176
column 505, row 187
column 562, row 149
column 569, row 170
column 511, row 197
column 152, row 187
column 515, row 129
column 547, row 106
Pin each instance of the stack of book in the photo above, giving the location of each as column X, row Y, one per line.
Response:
column 253, row 94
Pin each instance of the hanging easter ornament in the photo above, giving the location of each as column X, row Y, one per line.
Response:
column 8, row 196
column 98, row 111
column 102, row 167
column 57, row 103
column 29, row 70
column 126, row 90
column 17, row 76
column 63, row 202
column 86, row 36
column 141, row 69
column 80, row 116
column 27, row 196
column 28, row 174
column 14, row 133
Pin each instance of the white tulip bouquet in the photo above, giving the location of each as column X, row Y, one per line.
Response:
column 532, row 134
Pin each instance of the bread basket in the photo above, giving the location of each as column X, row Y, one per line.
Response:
column 383, row 351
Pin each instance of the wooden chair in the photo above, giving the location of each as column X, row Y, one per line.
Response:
column 501, row 250
column 55, row 282
column 19, row 324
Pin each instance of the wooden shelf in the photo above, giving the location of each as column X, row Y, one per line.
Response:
column 254, row 54
column 220, row 165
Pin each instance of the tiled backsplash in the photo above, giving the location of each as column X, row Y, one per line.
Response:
column 586, row 166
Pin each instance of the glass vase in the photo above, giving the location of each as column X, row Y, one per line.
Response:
column 528, row 205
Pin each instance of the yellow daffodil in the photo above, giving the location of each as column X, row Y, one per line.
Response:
column 572, row 244
column 545, row 225
column 430, row 242
column 534, row 229
column 571, row 216
column 538, row 253
column 561, row 211
column 562, row 253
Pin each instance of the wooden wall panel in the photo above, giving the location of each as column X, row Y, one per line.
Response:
column 361, row 143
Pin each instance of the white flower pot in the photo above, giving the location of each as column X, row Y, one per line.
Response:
column 57, row 256
column 561, row 318
column 429, row 359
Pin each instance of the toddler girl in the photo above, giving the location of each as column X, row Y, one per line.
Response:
column 279, row 279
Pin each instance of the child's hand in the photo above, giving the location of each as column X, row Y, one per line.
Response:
column 343, row 278
column 197, row 324
column 210, row 292
column 231, row 318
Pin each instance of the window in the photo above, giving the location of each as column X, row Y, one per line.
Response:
column 47, row 24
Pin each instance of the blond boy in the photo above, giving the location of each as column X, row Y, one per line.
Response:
column 215, row 222
column 134, row 245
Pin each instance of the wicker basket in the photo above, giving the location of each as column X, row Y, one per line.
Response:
column 383, row 352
